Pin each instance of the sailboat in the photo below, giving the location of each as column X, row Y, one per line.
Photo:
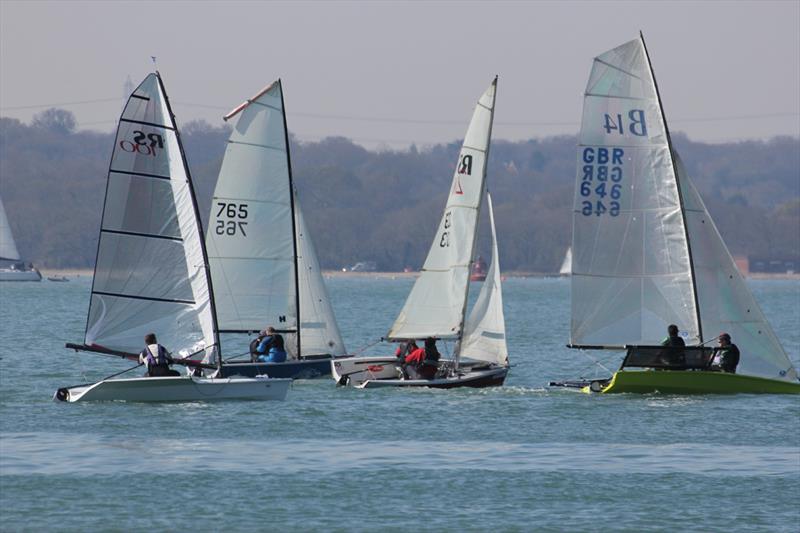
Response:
column 437, row 304
column 15, row 269
column 151, row 272
column 263, row 265
column 566, row 265
column 646, row 253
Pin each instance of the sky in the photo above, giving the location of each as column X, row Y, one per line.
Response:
column 388, row 74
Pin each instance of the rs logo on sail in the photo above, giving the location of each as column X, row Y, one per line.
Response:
column 143, row 143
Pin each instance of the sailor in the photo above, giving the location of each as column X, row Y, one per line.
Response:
column 156, row 358
column 271, row 348
column 673, row 339
column 726, row 355
column 674, row 356
column 423, row 363
column 405, row 348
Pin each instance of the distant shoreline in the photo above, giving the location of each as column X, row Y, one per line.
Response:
column 87, row 272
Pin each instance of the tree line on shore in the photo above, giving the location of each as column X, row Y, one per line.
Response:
column 384, row 206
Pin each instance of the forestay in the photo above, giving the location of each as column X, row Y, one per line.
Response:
column 485, row 329
column 8, row 248
column 250, row 241
column 435, row 307
column 150, row 271
column 318, row 327
column 631, row 272
column 726, row 304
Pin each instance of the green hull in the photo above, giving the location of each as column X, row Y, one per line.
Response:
column 683, row 382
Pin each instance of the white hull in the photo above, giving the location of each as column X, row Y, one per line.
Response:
column 486, row 377
column 375, row 372
column 7, row 274
column 178, row 389
column 356, row 370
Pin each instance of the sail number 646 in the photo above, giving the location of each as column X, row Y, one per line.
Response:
column 236, row 215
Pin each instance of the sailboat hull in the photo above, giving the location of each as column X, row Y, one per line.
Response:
column 683, row 382
column 177, row 389
column 7, row 274
column 294, row 369
column 492, row 377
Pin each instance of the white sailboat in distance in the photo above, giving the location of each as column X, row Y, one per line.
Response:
column 151, row 272
column 647, row 255
column 437, row 305
column 13, row 269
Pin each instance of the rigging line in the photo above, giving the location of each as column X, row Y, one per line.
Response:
column 595, row 361
column 776, row 114
column 79, row 102
column 362, row 349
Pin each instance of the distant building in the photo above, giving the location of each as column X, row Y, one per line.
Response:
column 788, row 265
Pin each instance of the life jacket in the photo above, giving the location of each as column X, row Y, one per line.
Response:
column 254, row 347
column 160, row 359
column 432, row 356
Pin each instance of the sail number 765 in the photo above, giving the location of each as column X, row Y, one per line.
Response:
column 236, row 215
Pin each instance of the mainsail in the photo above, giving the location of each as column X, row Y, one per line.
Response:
column 8, row 248
column 150, row 274
column 485, row 330
column 646, row 253
column 631, row 269
column 251, row 244
column 256, row 231
column 437, row 302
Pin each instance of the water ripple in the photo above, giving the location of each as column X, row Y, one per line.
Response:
column 58, row 454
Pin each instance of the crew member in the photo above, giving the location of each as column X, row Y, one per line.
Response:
column 271, row 348
column 156, row 358
column 726, row 357
column 423, row 363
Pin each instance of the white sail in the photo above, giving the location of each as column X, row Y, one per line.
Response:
column 319, row 332
column 435, row 306
column 726, row 304
column 8, row 248
column 150, row 274
column 485, row 329
column 631, row 272
column 566, row 265
column 250, row 239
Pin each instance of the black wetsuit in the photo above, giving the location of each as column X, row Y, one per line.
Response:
column 729, row 358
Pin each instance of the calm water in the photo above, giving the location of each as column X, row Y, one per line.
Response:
column 516, row 458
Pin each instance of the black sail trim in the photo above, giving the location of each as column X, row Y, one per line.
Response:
column 153, row 124
column 140, row 174
column 148, row 298
column 137, row 234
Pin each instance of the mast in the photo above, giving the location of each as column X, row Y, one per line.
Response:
column 294, row 222
column 678, row 186
column 457, row 351
column 201, row 233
